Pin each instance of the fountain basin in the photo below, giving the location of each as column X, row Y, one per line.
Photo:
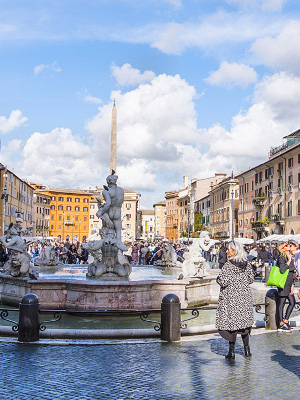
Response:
column 76, row 294
column 93, row 294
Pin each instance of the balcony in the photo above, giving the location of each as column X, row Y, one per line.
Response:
column 258, row 201
column 260, row 225
column 277, row 218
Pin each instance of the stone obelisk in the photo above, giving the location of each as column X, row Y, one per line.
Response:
column 113, row 140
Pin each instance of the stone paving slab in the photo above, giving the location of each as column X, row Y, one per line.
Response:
column 189, row 370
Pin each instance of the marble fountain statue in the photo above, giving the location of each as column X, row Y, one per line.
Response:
column 194, row 264
column 19, row 260
column 108, row 257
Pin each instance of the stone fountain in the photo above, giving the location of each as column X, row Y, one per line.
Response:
column 107, row 284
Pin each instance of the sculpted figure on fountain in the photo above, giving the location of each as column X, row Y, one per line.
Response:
column 19, row 260
column 194, row 263
column 110, row 246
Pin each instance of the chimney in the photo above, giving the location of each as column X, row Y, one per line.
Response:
column 185, row 181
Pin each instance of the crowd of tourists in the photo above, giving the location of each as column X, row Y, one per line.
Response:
column 235, row 306
column 146, row 253
column 65, row 252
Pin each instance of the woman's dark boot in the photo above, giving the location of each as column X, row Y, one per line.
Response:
column 230, row 356
column 247, row 352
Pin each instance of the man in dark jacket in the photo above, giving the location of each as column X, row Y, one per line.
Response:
column 222, row 255
column 84, row 255
column 263, row 257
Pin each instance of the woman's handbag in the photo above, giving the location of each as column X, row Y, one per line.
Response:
column 276, row 278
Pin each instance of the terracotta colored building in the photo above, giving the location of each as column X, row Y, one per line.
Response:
column 69, row 213
column 172, row 215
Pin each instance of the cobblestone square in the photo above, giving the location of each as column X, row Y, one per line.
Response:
column 192, row 369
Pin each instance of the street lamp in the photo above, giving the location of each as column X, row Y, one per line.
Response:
column 63, row 235
column 72, row 228
column 232, row 184
column 44, row 202
column 4, row 197
column 188, row 227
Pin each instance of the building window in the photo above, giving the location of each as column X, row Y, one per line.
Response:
column 128, row 206
column 128, row 216
column 85, row 200
column 92, row 206
column 60, row 199
column 85, row 209
column 76, row 218
column 267, row 173
column 77, row 200
column 69, row 198
column 77, row 208
column 52, row 207
column 92, row 216
column 51, row 226
column 290, row 162
column 69, row 208
column 252, row 185
column 59, row 217
column 60, row 207
column 84, row 227
column 290, row 179
column 84, row 218
column 290, row 208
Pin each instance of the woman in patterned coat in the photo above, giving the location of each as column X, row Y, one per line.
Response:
column 235, row 308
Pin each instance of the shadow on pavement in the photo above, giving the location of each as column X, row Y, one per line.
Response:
column 290, row 363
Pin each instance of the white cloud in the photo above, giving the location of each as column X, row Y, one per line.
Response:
column 159, row 141
column 175, row 3
column 265, row 5
column 232, row 74
column 39, row 68
column 129, row 76
column 282, row 92
column 274, row 114
column 42, row 67
column 215, row 31
column 57, row 158
column 92, row 99
column 282, row 51
column 15, row 120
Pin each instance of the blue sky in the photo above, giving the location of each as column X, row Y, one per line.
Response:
column 201, row 86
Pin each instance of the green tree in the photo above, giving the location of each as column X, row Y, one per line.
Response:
column 198, row 222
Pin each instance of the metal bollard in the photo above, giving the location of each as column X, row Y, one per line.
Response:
column 268, row 270
column 271, row 315
column 29, row 319
column 170, row 318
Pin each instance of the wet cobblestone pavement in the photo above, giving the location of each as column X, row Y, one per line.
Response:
column 192, row 369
